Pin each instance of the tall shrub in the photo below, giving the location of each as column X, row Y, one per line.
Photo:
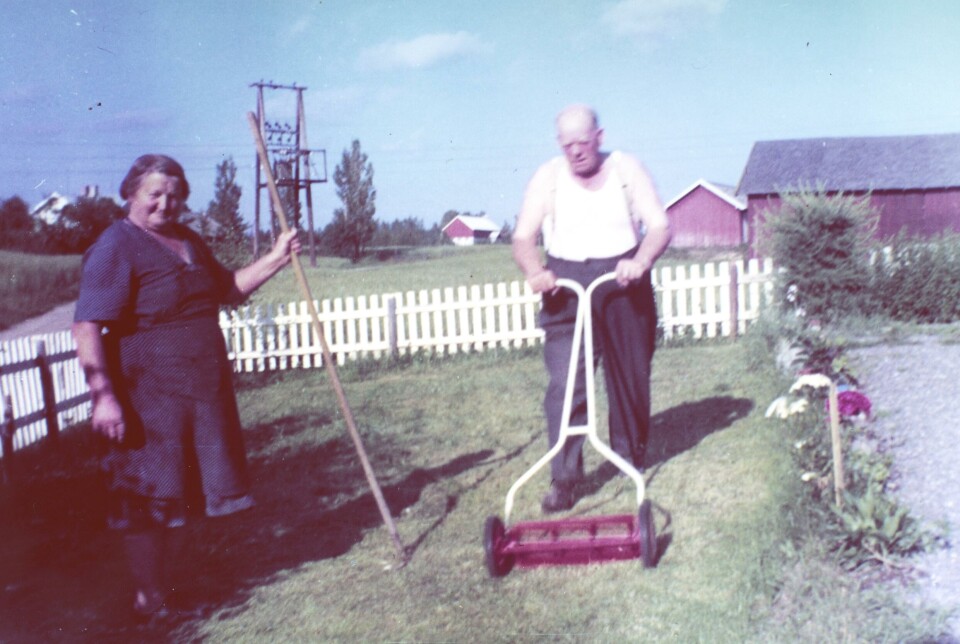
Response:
column 821, row 244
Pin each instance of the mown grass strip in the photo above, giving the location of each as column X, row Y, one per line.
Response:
column 448, row 437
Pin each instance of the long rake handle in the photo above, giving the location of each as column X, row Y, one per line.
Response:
column 325, row 349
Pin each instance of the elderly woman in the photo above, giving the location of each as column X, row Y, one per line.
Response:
column 155, row 361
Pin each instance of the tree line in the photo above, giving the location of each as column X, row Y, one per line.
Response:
column 352, row 233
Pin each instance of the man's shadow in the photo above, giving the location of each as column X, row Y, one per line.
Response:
column 672, row 432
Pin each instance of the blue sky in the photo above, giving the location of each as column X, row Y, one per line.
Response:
column 454, row 101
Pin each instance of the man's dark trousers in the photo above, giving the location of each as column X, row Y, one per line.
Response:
column 624, row 335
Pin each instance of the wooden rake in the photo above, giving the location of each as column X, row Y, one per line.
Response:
column 325, row 349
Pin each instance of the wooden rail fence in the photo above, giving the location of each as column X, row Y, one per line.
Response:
column 43, row 388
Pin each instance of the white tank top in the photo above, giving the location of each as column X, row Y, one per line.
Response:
column 586, row 223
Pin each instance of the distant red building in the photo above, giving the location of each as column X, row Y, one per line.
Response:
column 467, row 230
column 707, row 215
column 913, row 181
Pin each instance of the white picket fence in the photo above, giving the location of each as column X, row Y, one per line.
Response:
column 43, row 387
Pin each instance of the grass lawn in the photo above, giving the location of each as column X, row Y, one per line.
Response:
column 37, row 283
column 33, row 284
column 423, row 268
column 451, row 439
column 416, row 269
column 447, row 438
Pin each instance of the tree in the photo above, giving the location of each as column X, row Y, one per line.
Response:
column 16, row 224
column 353, row 225
column 506, row 234
column 80, row 223
column 447, row 217
column 403, row 232
column 228, row 230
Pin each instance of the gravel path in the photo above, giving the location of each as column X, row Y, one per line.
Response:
column 914, row 387
column 57, row 319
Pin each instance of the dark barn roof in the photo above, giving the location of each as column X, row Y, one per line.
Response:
column 853, row 164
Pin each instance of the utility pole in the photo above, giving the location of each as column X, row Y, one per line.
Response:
column 292, row 161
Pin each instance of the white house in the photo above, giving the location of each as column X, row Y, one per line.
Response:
column 48, row 211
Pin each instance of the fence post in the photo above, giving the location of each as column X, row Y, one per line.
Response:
column 392, row 326
column 49, row 394
column 734, row 301
column 7, row 431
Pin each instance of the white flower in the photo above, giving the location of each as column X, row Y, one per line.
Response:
column 806, row 477
column 785, row 406
column 797, row 407
column 778, row 408
column 814, row 380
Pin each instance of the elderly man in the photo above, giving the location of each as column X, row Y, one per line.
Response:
column 598, row 212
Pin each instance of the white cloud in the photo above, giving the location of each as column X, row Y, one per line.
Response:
column 422, row 51
column 656, row 17
column 298, row 27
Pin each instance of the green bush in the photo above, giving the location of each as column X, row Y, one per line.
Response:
column 821, row 244
column 917, row 280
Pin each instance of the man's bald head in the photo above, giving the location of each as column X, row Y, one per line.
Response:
column 580, row 114
column 580, row 138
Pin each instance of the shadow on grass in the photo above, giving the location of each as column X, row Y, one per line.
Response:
column 62, row 573
column 676, row 430
column 672, row 432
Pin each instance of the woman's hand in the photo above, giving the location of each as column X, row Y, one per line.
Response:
column 252, row 276
column 286, row 246
column 108, row 417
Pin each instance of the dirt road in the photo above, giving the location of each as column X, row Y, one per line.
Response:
column 58, row 319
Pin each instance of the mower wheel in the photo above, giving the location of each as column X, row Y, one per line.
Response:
column 648, row 536
column 498, row 564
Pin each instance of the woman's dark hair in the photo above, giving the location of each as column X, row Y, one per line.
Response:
column 153, row 163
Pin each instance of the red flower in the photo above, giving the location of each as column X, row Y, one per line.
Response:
column 851, row 403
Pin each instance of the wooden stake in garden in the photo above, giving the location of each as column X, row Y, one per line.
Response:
column 325, row 349
column 834, row 402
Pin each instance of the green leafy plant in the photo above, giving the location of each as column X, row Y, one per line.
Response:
column 820, row 242
column 869, row 526
column 917, row 280
column 818, row 351
column 874, row 527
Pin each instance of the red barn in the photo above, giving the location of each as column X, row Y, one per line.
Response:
column 913, row 181
column 466, row 230
column 707, row 215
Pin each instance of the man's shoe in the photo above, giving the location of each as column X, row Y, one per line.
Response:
column 559, row 498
